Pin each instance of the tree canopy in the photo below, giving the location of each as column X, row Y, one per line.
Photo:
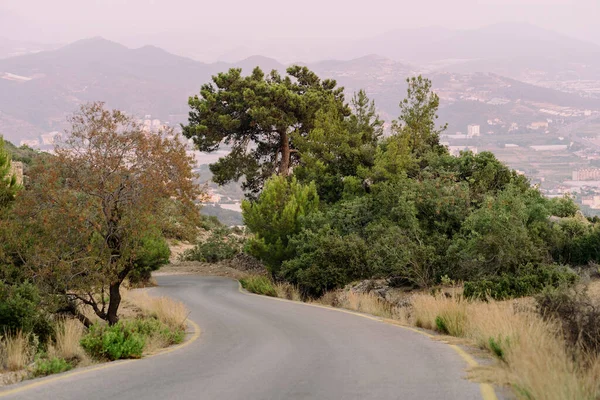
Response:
column 92, row 212
column 257, row 117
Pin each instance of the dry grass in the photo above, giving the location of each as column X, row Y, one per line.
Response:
column 16, row 351
column 68, row 336
column 534, row 356
column 170, row 312
column 368, row 303
column 288, row 291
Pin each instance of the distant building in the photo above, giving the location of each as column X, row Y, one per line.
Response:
column 473, row 130
column 586, row 174
column 591, row 201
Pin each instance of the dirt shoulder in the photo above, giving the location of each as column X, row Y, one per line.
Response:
column 200, row 268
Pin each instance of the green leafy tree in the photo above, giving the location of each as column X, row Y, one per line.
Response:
column 8, row 180
column 418, row 113
column 338, row 147
column 89, row 213
column 257, row 116
column 275, row 216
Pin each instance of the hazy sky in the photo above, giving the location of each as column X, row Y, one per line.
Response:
column 239, row 22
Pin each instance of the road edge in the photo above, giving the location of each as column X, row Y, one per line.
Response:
column 487, row 390
column 195, row 335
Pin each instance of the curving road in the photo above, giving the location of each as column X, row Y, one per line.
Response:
column 253, row 347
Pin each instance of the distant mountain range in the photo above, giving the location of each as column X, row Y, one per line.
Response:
column 39, row 90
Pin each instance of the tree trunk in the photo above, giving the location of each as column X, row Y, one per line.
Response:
column 114, row 302
column 284, row 166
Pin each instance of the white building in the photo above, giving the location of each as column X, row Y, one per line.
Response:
column 473, row 130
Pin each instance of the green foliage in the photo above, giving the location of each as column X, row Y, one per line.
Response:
column 222, row 244
column 153, row 253
column 260, row 109
column 338, row 147
column 276, row 216
column 327, row 261
column 418, row 112
column 127, row 339
column 563, row 207
column 526, row 281
column 259, row 284
column 115, row 342
column 49, row 366
column 498, row 346
column 440, row 324
column 8, row 181
column 20, row 310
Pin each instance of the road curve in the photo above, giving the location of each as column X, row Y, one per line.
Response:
column 254, row 347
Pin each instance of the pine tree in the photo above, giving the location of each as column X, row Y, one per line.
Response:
column 8, row 181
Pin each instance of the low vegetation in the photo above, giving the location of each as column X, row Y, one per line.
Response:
column 259, row 284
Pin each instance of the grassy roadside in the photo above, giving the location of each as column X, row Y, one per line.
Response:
column 147, row 324
column 533, row 357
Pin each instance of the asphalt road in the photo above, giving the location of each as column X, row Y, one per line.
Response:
column 253, row 347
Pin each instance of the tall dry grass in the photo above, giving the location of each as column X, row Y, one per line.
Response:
column 170, row 312
column 532, row 352
column 68, row 336
column 16, row 351
column 288, row 291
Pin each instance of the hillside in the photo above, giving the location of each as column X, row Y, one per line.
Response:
column 38, row 91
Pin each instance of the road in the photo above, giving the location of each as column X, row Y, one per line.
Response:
column 253, row 347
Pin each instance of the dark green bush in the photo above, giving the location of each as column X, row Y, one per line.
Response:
column 259, row 284
column 528, row 281
column 20, row 310
column 49, row 366
column 155, row 253
column 221, row 245
column 113, row 342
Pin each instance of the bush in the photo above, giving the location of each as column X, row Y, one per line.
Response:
column 577, row 313
column 49, row 366
column 259, row 285
column 326, row 261
column 154, row 254
column 20, row 310
column 221, row 245
column 528, row 281
column 113, row 342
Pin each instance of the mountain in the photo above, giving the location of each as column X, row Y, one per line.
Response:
column 38, row 91
column 13, row 48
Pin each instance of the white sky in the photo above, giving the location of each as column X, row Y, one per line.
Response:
column 238, row 22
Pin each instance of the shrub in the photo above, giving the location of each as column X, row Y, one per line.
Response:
column 154, row 254
column 113, row 342
column 151, row 327
column 526, row 282
column 20, row 310
column 221, row 245
column 49, row 366
column 259, row 285
column 577, row 313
